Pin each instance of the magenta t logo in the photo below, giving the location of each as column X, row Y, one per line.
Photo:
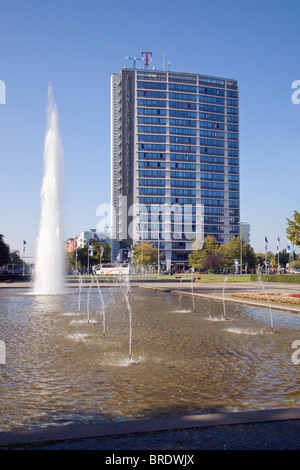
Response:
column 147, row 57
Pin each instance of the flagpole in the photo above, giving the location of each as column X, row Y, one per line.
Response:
column 24, row 243
column 278, row 254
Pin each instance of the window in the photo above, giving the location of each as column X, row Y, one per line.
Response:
column 151, row 94
column 162, row 86
column 155, row 103
column 211, row 159
column 152, row 120
column 152, row 129
column 158, row 112
column 183, row 166
column 211, row 99
column 212, row 117
column 152, row 156
column 185, row 114
column 216, row 143
column 183, row 183
column 182, row 96
column 182, row 140
column 160, row 191
column 180, row 130
column 214, row 109
column 212, row 134
column 151, row 138
column 183, row 174
column 150, row 182
column 212, row 91
column 191, row 88
column 182, row 157
column 182, row 104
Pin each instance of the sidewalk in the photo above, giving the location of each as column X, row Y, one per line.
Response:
column 277, row 429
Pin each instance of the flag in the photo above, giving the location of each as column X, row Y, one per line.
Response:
column 266, row 244
column 289, row 247
column 24, row 243
column 101, row 250
column 278, row 242
column 90, row 249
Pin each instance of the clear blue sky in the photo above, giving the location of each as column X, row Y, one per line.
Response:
column 78, row 44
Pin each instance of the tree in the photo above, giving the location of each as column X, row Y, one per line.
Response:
column 82, row 255
column 197, row 257
column 293, row 229
column 4, row 251
column 145, row 254
column 213, row 262
column 232, row 250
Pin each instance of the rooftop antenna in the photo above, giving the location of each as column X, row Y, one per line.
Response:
column 134, row 60
column 169, row 65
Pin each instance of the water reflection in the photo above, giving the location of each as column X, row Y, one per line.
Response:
column 60, row 369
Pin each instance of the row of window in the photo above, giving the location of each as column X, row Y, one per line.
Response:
column 176, row 157
column 188, row 88
column 186, row 131
column 190, row 166
column 209, row 180
column 186, row 105
column 186, row 192
column 181, row 113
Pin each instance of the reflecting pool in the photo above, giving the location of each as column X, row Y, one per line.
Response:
column 61, row 369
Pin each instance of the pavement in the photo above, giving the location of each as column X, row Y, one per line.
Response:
column 274, row 429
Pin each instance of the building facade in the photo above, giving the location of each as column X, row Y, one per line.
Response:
column 174, row 161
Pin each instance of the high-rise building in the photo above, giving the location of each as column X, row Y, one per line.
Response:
column 174, row 160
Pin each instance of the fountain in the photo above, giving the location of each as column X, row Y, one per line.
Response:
column 49, row 264
column 268, row 300
column 59, row 370
column 223, row 296
column 127, row 289
column 102, row 307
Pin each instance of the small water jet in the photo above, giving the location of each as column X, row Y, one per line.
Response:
column 79, row 292
column 127, row 288
column 49, row 263
column 88, row 301
column 102, row 307
column 268, row 300
column 224, row 306
column 192, row 289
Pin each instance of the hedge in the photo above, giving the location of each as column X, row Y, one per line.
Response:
column 287, row 278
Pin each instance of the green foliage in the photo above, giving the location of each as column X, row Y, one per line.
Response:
column 82, row 255
column 224, row 255
column 293, row 229
column 4, row 251
column 145, row 254
column 285, row 278
column 197, row 257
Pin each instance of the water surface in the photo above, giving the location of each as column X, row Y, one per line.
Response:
column 61, row 370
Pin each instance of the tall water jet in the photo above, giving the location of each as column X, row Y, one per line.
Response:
column 49, row 263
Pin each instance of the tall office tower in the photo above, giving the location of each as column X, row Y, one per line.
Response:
column 174, row 161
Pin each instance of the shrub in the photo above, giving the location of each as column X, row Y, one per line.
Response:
column 285, row 278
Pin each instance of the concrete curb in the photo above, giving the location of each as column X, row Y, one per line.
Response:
column 148, row 425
